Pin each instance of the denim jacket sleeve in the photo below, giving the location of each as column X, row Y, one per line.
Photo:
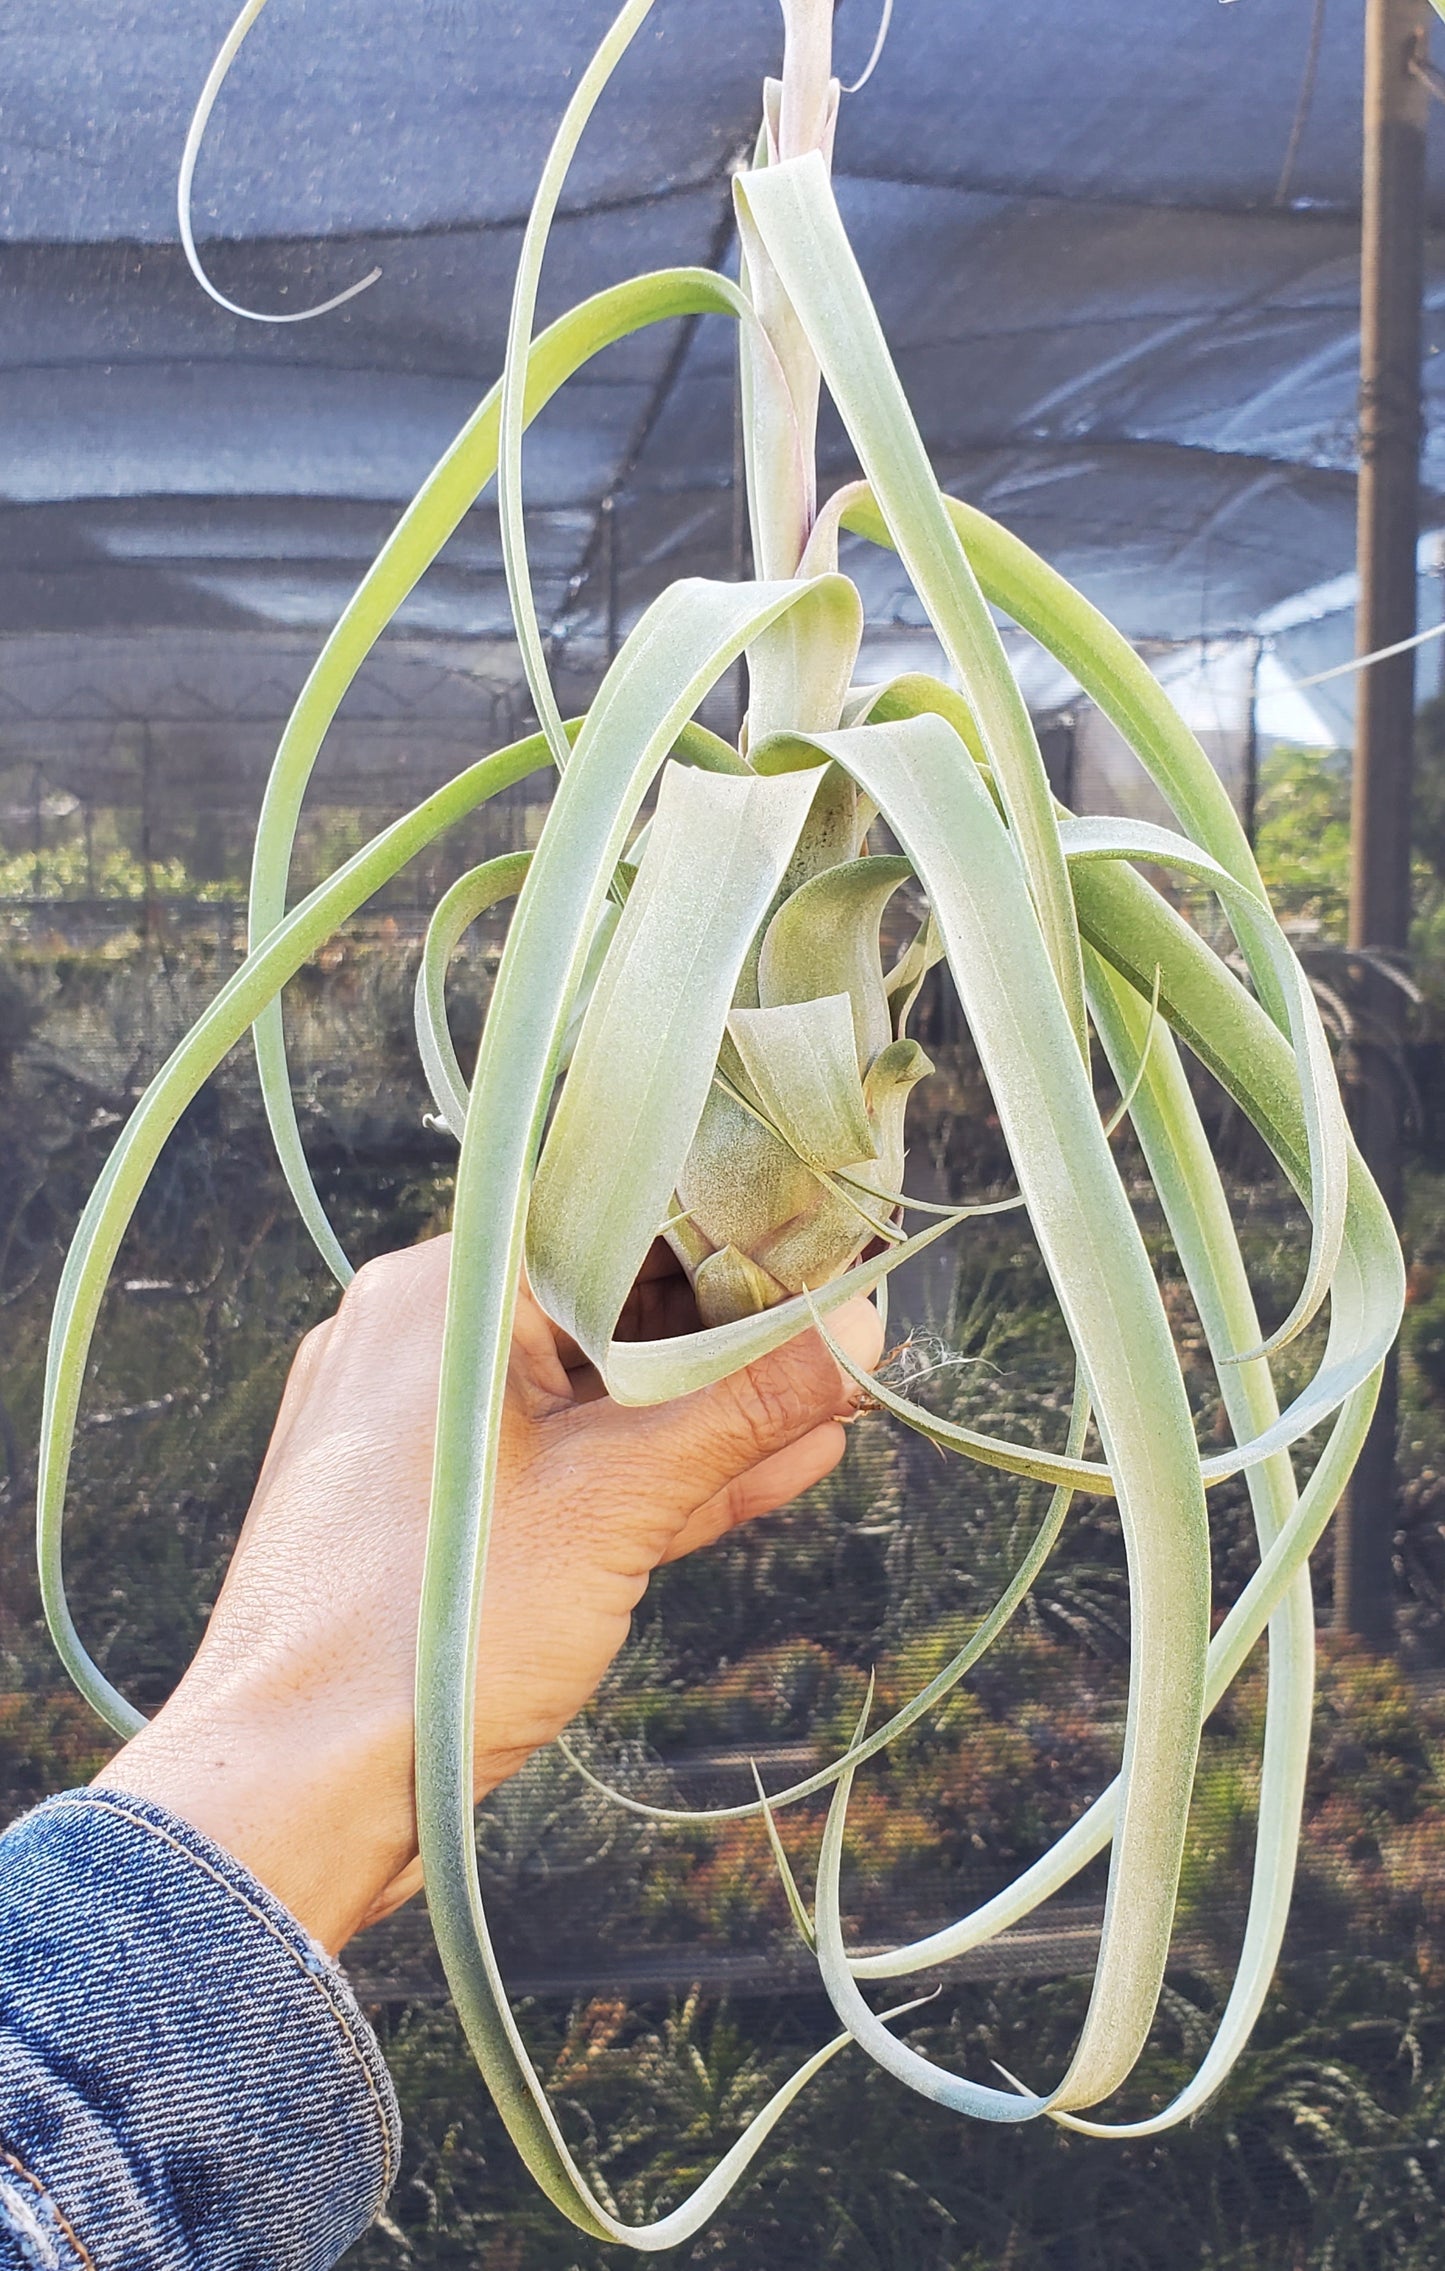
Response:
column 186, row 2082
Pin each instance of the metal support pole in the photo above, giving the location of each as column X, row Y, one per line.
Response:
column 1391, row 285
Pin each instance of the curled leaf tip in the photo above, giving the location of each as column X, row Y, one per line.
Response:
column 185, row 182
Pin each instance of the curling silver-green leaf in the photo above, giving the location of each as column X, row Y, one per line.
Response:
column 1325, row 1128
column 824, row 940
column 93, row 1249
column 432, row 517
column 921, row 776
column 801, row 1061
column 645, row 1057
column 457, row 909
column 792, row 207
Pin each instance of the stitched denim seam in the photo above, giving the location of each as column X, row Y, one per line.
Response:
column 19, row 2169
column 106, row 1804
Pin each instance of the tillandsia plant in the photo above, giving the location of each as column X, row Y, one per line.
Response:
column 692, row 1031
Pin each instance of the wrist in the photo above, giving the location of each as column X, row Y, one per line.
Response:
column 322, row 1816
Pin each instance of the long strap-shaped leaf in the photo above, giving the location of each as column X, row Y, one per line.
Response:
column 1326, row 1129
column 1228, row 1652
column 1191, row 1191
column 435, row 513
column 981, row 2100
column 195, row 134
column 681, row 647
column 455, row 912
column 515, row 370
column 1137, row 929
column 113, row 1201
column 1272, row 962
column 930, row 793
column 1205, row 1004
column 793, row 210
column 1134, row 931
column 648, row 1047
column 1017, row 581
column 1197, row 1210
column 482, row 887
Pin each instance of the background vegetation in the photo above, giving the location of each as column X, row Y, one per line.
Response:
column 1327, row 2149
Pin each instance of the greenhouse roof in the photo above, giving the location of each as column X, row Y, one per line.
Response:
column 1113, row 243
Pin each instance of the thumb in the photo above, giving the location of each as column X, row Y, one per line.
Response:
column 702, row 1443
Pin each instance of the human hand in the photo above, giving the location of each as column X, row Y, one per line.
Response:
column 289, row 1740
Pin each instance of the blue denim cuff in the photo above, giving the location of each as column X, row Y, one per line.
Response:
column 185, row 2077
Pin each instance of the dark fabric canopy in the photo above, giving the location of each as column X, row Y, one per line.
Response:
column 1113, row 243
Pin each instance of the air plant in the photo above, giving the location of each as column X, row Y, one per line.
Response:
column 692, row 1031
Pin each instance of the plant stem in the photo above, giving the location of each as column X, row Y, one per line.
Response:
column 806, row 111
column 780, row 380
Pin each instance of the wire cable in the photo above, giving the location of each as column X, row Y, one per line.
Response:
column 1304, row 104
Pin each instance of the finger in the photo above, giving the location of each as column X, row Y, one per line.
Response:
column 699, row 1444
column 536, row 1366
column 661, row 1309
column 585, row 1383
column 660, row 1262
column 659, row 1306
column 658, row 1309
column 763, row 1489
